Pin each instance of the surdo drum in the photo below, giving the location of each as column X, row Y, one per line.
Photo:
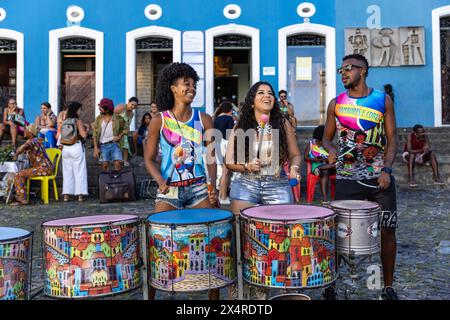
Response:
column 288, row 246
column 91, row 256
column 191, row 250
column 16, row 246
column 357, row 227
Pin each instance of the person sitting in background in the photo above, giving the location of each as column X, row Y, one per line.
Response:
column 316, row 154
column 418, row 150
column 13, row 122
column 39, row 162
column 287, row 108
column 46, row 124
column 223, row 121
column 139, row 136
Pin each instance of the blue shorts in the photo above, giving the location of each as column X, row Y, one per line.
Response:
column 184, row 197
column 110, row 152
column 261, row 189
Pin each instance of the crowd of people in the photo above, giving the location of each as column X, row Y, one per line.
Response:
column 182, row 151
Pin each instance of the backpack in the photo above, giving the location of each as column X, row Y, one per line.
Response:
column 69, row 132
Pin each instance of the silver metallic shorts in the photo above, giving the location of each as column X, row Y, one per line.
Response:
column 261, row 189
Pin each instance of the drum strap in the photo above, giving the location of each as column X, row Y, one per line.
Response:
column 368, row 185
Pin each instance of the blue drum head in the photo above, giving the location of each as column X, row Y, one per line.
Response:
column 190, row 216
column 12, row 233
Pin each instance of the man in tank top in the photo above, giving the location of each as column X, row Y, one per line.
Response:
column 364, row 120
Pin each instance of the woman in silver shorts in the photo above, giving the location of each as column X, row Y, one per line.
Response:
column 261, row 179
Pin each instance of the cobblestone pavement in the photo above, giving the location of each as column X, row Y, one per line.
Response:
column 423, row 255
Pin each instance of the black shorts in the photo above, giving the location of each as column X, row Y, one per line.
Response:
column 387, row 199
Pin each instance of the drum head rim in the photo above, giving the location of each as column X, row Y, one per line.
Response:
column 25, row 236
column 332, row 214
column 133, row 218
column 148, row 221
column 375, row 205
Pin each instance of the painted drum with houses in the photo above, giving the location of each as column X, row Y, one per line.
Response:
column 288, row 246
column 91, row 256
column 16, row 246
column 191, row 250
column 357, row 227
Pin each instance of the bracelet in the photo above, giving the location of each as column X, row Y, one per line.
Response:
column 295, row 167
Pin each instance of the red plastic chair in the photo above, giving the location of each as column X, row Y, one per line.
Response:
column 312, row 179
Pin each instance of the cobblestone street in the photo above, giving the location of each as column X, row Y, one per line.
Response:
column 423, row 255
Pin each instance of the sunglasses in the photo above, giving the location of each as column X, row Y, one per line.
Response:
column 348, row 67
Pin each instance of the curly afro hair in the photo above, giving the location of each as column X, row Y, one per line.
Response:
column 167, row 77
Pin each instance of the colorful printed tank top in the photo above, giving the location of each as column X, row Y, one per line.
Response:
column 316, row 150
column 182, row 150
column 361, row 135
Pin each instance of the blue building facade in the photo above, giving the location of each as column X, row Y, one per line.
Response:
column 115, row 49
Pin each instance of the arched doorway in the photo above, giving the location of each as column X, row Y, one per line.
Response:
column 306, row 63
column 76, row 69
column 232, row 63
column 149, row 49
column 441, row 65
column 11, row 67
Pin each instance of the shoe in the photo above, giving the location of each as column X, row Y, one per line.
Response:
column 126, row 163
column 80, row 198
column 388, row 293
column 330, row 293
column 66, row 198
column 439, row 183
column 225, row 201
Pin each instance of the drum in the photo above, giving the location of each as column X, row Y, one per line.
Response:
column 357, row 227
column 191, row 250
column 91, row 256
column 288, row 246
column 16, row 246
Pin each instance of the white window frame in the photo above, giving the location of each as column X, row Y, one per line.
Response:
column 131, row 37
column 436, row 16
column 20, row 80
column 209, row 56
column 54, row 73
column 330, row 54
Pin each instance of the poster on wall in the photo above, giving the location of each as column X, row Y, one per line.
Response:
column 303, row 67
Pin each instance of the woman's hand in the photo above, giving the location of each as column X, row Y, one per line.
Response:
column 254, row 166
column 212, row 195
column 295, row 173
column 163, row 188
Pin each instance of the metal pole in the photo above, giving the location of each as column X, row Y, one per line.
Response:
column 145, row 262
column 240, row 283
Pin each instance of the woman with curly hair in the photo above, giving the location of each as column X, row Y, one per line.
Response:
column 182, row 134
column 258, row 157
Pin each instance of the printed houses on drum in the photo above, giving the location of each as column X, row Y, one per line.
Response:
column 91, row 261
column 172, row 261
column 280, row 255
column 13, row 270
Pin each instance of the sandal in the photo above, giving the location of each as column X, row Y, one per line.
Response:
column 413, row 184
column 80, row 199
column 66, row 198
column 18, row 203
column 439, row 183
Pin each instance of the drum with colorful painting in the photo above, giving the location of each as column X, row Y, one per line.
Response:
column 288, row 246
column 16, row 246
column 91, row 256
column 357, row 227
column 191, row 250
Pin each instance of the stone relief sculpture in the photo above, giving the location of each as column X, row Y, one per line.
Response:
column 357, row 40
column 386, row 41
column 387, row 47
column 412, row 45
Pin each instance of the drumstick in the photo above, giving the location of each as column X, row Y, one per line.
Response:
column 264, row 119
column 169, row 179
